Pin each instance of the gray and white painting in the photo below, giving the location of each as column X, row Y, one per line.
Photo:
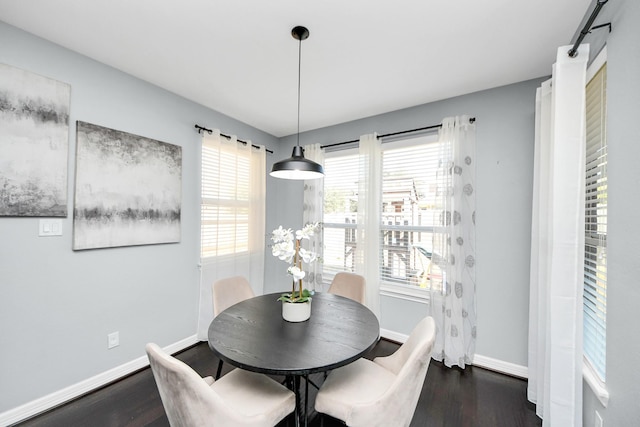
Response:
column 34, row 144
column 128, row 189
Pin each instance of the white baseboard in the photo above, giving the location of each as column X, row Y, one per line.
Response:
column 478, row 360
column 59, row 397
column 393, row 336
column 501, row 366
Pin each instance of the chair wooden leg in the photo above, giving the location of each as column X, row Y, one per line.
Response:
column 219, row 369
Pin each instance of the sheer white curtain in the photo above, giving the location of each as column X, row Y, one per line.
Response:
column 312, row 212
column 557, row 244
column 232, row 217
column 453, row 282
column 367, row 252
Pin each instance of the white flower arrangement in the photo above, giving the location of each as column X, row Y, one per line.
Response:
column 287, row 247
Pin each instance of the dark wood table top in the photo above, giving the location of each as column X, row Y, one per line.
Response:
column 252, row 335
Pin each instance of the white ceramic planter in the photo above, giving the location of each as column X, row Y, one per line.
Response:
column 296, row 312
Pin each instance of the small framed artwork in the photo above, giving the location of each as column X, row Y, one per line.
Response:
column 128, row 189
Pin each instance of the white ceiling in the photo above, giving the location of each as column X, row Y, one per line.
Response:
column 363, row 57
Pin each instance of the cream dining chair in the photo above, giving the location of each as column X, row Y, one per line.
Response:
column 227, row 292
column 383, row 392
column 239, row 399
column 349, row 285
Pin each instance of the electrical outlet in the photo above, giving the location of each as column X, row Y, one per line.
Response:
column 599, row 422
column 113, row 339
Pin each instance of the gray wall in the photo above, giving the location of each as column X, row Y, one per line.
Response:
column 623, row 269
column 505, row 129
column 57, row 306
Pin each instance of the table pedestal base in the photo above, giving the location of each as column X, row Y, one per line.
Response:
column 301, row 412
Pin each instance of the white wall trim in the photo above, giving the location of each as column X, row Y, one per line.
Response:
column 592, row 379
column 393, row 336
column 597, row 63
column 399, row 292
column 501, row 366
column 66, row 394
column 478, row 360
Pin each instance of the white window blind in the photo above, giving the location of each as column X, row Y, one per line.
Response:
column 408, row 193
column 340, row 209
column 225, row 200
column 595, row 263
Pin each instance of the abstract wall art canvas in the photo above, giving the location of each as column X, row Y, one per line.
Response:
column 128, row 189
column 34, row 144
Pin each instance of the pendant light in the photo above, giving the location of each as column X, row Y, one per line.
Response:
column 296, row 166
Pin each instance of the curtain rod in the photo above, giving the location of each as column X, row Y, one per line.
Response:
column 203, row 129
column 573, row 52
column 471, row 120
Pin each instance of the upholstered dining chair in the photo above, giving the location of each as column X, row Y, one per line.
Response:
column 382, row 392
column 349, row 285
column 240, row 398
column 227, row 292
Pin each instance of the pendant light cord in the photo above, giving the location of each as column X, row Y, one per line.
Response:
column 299, row 68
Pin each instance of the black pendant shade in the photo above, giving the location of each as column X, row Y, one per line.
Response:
column 296, row 166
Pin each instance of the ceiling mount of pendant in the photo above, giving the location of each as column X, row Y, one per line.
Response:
column 300, row 33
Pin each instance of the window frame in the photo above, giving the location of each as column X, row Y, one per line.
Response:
column 589, row 373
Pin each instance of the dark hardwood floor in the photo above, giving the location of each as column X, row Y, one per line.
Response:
column 474, row 397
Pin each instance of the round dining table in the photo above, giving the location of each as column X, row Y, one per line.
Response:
column 252, row 335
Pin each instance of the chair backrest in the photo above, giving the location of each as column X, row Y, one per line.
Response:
column 229, row 291
column 410, row 363
column 187, row 399
column 349, row 285
column 417, row 348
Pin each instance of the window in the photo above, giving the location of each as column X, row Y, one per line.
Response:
column 225, row 199
column 595, row 251
column 406, row 222
column 408, row 192
column 340, row 209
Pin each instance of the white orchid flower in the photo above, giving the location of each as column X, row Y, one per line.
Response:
column 282, row 235
column 284, row 251
column 307, row 231
column 307, row 256
column 296, row 273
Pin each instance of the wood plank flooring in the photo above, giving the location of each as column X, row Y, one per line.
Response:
column 473, row 397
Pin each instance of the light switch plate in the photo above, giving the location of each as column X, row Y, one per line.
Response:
column 50, row 227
